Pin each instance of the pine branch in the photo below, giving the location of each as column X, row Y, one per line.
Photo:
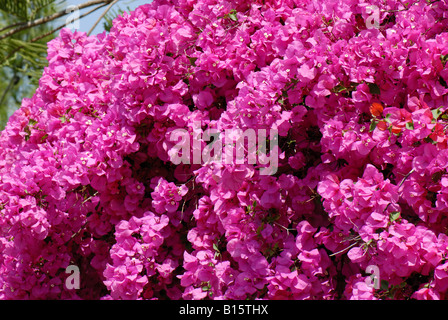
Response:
column 13, row 81
column 21, row 8
column 39, row 5
column 101, row 17
column 29, row 24
column 49, row 33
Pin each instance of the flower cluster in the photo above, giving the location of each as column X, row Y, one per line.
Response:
column 361, row 113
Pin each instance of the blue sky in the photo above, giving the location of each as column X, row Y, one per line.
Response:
column 87, row 22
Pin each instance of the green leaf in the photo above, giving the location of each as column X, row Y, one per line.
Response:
column 260, row 228
column 373, row 125
column 444, row 58
column 384, row 285
column 436, row 113
column 395, row 215
column 339, row 88
column 232, row 15
column 410, row 125
column 374, row 89
column 387, row 118
column 429, row 140
column 193, row 61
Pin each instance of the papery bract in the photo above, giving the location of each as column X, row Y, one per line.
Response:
column 360, row 111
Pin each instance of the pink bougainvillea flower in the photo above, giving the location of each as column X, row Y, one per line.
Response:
column 360, row 111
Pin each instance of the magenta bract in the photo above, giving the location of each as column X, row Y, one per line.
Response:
column 358, row 95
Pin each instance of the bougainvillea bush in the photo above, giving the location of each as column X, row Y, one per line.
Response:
column 358, row 94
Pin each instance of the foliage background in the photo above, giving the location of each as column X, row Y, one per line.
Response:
column 23, row 54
